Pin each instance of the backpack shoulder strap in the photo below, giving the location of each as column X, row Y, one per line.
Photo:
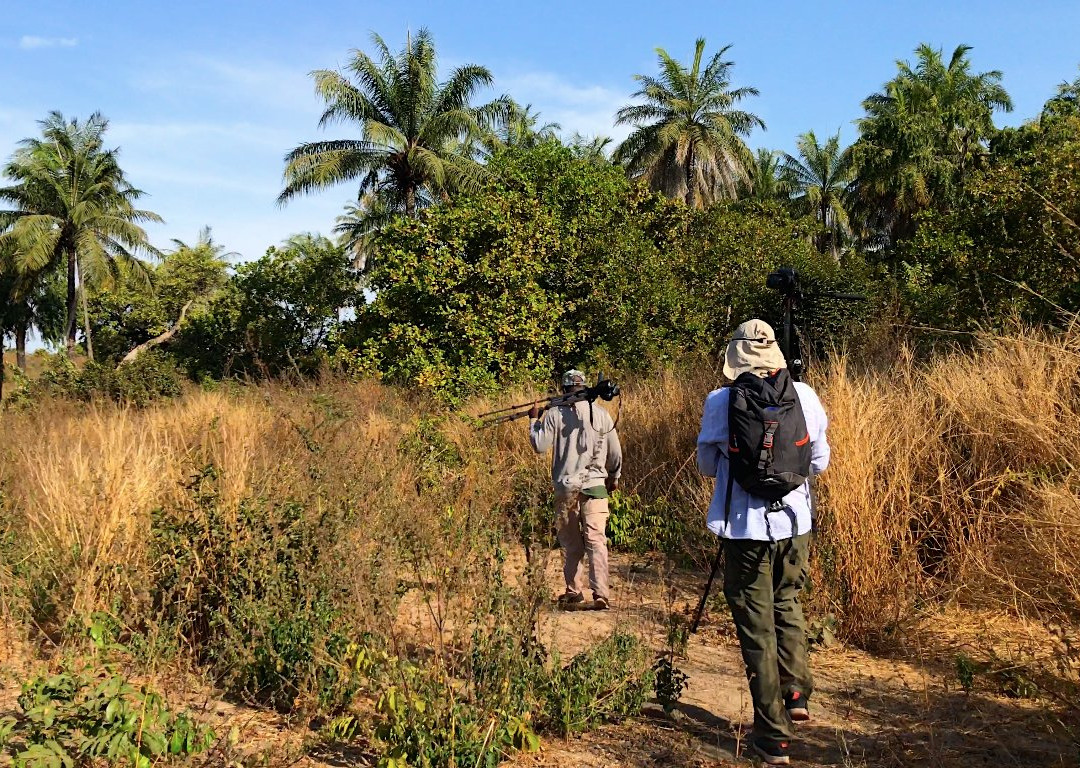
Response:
column 727, row 495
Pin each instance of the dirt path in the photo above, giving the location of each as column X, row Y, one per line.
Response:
column 867, row 711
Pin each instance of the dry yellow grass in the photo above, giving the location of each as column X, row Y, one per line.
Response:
column 951, row 482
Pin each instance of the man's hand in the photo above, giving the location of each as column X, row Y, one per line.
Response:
column 611, row 484
column 536, row 410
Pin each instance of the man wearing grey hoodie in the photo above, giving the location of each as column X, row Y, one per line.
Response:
column 586, row 464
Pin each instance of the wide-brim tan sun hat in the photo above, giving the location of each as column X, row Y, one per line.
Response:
column 753, row 349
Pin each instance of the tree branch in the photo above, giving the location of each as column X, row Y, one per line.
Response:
column 130, row 356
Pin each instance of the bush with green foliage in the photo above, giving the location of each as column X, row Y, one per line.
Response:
column 83, row 716
column 558, row 261
column 149, row 377
column 250, row 591
column 429, row 715
column 638, row 526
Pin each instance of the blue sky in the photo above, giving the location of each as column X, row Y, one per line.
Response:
column 205, row 98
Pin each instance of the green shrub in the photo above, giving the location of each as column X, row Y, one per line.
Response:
column 424, row 721
column 604, row 684
column 251, row 591
column 427, row 716
column 83, row 716
column 638, row 526
column 150, row 377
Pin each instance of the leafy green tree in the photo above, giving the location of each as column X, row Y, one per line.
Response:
column 1011, row 248
column 413, row 129
column 688, row 143
column 277, row 314
column 923, row 136
column 819, row 179
column 37, row 304
column 134, row 314
column 563, row 261
column 73, row 207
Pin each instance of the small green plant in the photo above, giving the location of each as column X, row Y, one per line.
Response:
column 1015, row 684
column 670, row 681
column 433, row 453
column 82, row 715
column 606, row 683
column 822, row 632
column 966, row 668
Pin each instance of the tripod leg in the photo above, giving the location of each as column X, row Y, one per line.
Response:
column 708, row 586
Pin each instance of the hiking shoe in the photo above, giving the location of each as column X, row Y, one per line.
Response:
column 571, row 598
column 772, row 752
column 796, row 705
column 601, row 603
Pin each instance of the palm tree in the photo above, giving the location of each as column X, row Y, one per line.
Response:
column 766, row 181
column 522, row 128
column 819, row 179
column 73, row 208
column 1065, row 102
column 923, row 134
column 357, row 226
column 594, row 149
column 688, row 142
column 413, row 129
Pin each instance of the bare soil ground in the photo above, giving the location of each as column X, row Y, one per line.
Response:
column 867, row 710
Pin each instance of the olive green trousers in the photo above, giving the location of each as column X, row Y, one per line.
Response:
column 762, row 583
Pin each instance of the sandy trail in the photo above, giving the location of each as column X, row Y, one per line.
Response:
column 867, row 711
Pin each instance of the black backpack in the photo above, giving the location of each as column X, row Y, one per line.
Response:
column 769, row 445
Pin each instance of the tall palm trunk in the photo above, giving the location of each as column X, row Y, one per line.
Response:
column 693, row 194
column 72, row 304
column 826, row 244
column 86, row 318
column 20, row 345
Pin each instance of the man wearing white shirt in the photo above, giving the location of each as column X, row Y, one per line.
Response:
column 766, row 548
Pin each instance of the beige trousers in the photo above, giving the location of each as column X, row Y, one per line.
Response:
column 582, row 527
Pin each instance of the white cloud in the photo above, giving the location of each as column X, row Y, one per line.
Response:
column 32, row 42
column 167, row 135
column 585, row 109
column 264, row 84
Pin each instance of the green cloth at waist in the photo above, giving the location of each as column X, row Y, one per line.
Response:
column 596, row 492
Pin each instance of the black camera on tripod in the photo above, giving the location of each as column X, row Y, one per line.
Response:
column 785, row 281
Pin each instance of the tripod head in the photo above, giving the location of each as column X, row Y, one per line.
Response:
column 785, row 281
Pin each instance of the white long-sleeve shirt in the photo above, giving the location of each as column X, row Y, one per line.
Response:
column 748, row 516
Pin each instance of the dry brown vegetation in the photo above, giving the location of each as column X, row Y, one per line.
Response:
column 952, row 493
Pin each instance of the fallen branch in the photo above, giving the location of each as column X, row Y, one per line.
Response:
column 157, row 340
